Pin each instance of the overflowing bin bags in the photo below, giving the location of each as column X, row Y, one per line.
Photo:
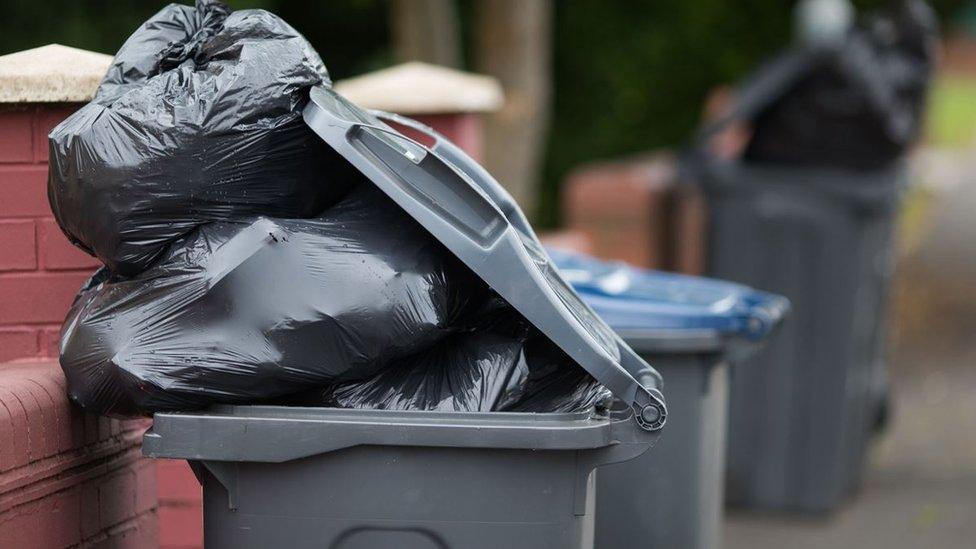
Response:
column 249, row 260
column 809, row 212
column 262, row 307
column 857, row 104
column 197, row 120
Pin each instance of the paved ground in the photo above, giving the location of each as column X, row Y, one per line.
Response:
column 920, row 490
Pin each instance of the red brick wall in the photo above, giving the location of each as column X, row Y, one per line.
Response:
column 68, row 478
column 40, row 272
column 180, row 506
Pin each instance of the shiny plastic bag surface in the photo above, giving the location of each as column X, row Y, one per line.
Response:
column 496, row 361
column 198, row 119
column 243, row 311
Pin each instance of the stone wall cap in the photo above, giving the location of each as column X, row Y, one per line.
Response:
column 421, row 88
column 51, row 74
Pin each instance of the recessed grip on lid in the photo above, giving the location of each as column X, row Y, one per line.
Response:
column 428, row 181
column 452, row 199
column 460, row 159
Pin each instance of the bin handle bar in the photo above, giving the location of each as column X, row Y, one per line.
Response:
column 480, row 176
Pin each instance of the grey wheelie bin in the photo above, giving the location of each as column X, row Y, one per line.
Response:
column 321, row 477
column 802, row 415
column 692, row 330
column 808, row 212
column 365, row 479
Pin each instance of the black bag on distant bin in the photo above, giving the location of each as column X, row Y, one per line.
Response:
column 198, row 119
column 860, row 106
column 243, row 311
column 495, row 362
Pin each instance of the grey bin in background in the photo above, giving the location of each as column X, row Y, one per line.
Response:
column 803, row 413
column 691, row 329
column 364, row 479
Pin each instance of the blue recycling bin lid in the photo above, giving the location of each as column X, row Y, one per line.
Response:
column 658, row 311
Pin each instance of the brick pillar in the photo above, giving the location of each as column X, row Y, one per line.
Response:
column 40, row 272
column 448, row 100
column 66, row 478
column 637, row 211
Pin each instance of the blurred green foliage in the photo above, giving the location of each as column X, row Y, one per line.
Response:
column 351, row 35
column 951, row 117
column 637, row 72
column 629, row 75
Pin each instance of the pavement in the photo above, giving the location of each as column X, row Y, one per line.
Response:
column 920, row 485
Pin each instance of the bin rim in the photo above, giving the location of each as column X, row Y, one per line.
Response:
column 276, row 434
column 468, row 212
column 874, row 189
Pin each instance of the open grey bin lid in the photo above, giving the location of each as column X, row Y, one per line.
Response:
column 460, row 204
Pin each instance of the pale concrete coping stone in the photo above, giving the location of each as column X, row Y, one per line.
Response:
column 421, row 88
column 51, row 74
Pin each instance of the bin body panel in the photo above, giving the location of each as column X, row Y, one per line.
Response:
column 402, row 498
column 802, row 413
column 672, row 498
column 690, row 329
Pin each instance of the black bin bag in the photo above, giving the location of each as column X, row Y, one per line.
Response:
column 495, row 361
column 857, row 105
column 244, row 311
column 250, row 260
column 197, row 120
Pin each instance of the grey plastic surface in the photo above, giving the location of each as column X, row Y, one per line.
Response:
column 318, row 477
column 478, row 175
column 734, row 349
column 672, row 497
column 648, row 342
column 450, row 196
column 802, row 413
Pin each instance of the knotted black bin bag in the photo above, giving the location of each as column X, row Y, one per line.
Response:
column 197, row 120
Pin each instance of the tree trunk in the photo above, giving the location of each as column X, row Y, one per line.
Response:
column 426, row 30
column 514, row 45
